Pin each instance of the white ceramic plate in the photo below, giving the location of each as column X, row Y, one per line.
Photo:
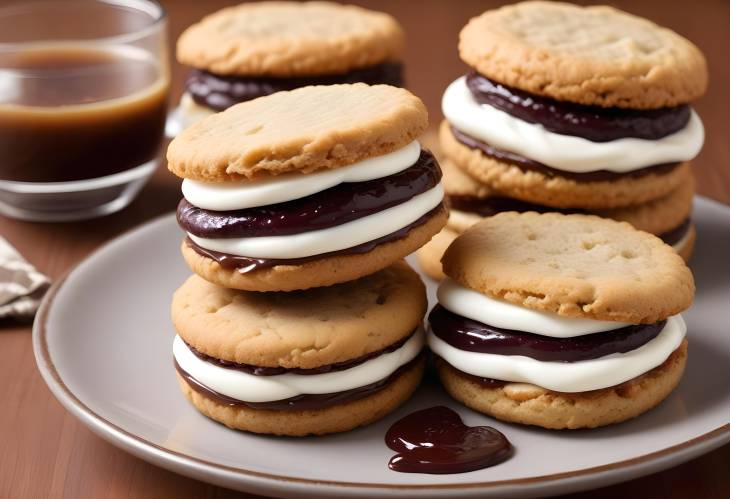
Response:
column 103, row 344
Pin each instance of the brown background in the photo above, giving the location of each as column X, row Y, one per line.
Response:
column 45, row 452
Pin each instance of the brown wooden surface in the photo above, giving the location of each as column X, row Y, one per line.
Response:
column 45, row 452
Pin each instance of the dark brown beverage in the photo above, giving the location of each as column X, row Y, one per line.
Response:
column 72, row 113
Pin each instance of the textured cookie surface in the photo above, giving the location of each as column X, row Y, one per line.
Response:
column 429, row 256
column 303, row 329
column 529, row 404
column 325, row 271
column 457, row 182
column 590, row 55
column 556, row 191
column 572, row 265
column 660, row 215
column 302, row 130
column 333, row 419
column 290, row 39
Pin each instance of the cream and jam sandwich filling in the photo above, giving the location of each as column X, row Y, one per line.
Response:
column 489, row 338
column 583, row 143
column 365, row 209
column 252, row 50
column 234, row 384
column 307, row 187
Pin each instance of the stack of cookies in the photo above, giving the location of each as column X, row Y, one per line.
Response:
column 255, row 49
column 298, row 208
column 560, row 321
column 572, row 109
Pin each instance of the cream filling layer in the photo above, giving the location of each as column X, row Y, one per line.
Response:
column 226, row 196
column 565, row 152
column 482, row 308
column 335, row 238
column 570, row 377
column 251, row 388
column 191, row 112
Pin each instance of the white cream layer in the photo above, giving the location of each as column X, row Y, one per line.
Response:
column 192, row 112
column 251, row 388
column 335, row 238
column 481, row 308
column 565, row 152
column 225, row 196
column 581, row 376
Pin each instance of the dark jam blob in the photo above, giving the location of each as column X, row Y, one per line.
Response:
column 436, row 441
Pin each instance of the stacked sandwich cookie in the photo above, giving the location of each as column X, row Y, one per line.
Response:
column 560, row 321
column 310, row 362
column 255, row 49
column 573, row 108
column 298, row 209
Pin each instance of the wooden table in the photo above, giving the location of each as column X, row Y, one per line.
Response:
column 45, row 452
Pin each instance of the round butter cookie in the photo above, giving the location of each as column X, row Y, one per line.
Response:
column 594, row 55
column 572, row 265
column 286, row 39
column 302, row 130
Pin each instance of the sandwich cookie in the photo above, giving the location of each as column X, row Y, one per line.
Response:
column 255, row 49
column 560, row 321
column 574, row 107
column 306, row 188
column 470, row 201
column 309, row 362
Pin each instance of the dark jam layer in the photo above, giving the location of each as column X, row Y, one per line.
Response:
column 309, row 402
column 530, row 165
column 490, row 206
column 472, row 336
column 221, row 92
column 597, row 124
column 337, row 205
column 274, row 371
column 244, row 264
column 436, row 441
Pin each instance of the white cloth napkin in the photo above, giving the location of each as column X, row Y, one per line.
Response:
column 21, row 285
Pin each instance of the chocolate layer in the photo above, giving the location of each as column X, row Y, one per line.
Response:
column 274, row 371
column 308, row 402
column 598, row 124
column 246, row 264
column 472, row 336
column 530, row 165
column 675, row 235
column 219, row 92
column 490, row 206
column 337, row 205
column 436, row 441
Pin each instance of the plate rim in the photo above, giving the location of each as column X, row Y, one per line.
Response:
column 175, row 460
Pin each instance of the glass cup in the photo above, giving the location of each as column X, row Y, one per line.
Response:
column 83, row 100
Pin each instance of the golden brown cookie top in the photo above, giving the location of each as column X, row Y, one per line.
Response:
column 590, row 55
column 572, row 265
column 290, row 39
column 301, row 130
column 301, row 329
